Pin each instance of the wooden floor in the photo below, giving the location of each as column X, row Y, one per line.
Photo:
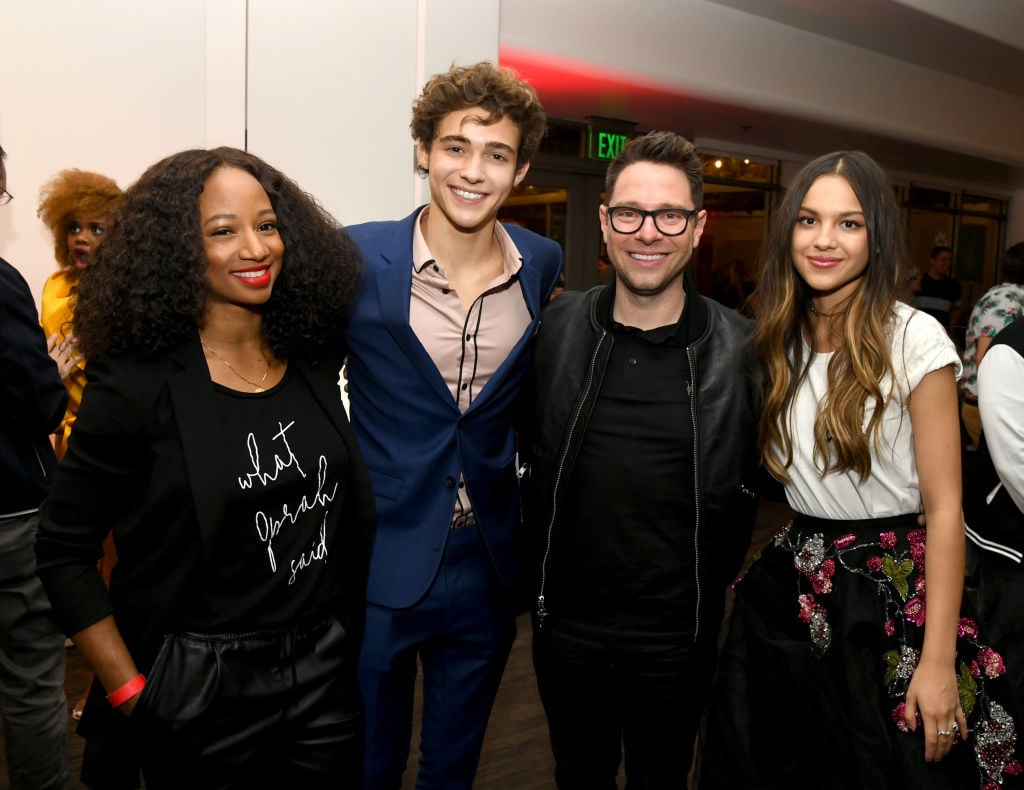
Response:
column 516, row 755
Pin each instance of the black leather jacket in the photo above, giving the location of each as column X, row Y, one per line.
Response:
column 569, row 358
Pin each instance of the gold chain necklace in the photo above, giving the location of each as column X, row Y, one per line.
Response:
column 257, row 384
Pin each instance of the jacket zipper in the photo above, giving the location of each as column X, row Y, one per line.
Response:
column 697, row 498
column 542, row 611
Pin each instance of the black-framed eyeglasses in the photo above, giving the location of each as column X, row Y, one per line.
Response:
column 5, row 198
column 668, row 221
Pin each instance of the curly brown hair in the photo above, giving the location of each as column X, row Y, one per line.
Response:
column 499, row 92
column 71, row 193
column 147, row 290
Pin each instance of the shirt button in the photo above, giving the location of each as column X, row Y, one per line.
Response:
column 449, row 482
column 632, row 362
column 465, row 386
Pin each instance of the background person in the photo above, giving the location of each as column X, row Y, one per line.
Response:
column 939, row 294
column 32, row 400
column 994, row 503
column 999, row 306
column 212, row 439
column 76, row 206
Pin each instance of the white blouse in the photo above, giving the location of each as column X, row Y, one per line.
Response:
column 918, row 345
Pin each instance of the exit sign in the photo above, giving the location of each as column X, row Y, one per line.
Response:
column 606, row 145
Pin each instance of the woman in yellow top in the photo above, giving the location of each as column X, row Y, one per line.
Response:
column 76, row 206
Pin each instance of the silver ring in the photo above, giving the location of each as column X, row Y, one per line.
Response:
column 945, row 733
column 956, row 727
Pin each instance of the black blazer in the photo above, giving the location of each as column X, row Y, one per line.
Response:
column 32, row 398
column 142, row 461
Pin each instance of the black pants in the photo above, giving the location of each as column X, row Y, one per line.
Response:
column 270, row 709
column 604, row 695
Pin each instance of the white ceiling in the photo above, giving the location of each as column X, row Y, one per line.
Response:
column 980, row 42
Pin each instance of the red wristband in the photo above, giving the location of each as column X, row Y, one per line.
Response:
column 127, row 691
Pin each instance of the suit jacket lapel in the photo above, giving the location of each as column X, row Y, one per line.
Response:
column 192, row 396
column 394, row 288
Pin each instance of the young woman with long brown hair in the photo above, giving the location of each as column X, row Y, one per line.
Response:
column 831, row 675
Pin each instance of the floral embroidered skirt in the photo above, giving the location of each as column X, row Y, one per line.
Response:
column 825, row 633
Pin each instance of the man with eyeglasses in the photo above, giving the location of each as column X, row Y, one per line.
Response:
column 32, row 402
column 638, row 460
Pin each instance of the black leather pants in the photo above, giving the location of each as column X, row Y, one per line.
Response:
column 265, row 709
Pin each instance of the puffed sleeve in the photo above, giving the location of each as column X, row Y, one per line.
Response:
column 925, row 347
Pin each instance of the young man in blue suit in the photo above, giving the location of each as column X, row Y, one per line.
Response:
column 439, row 343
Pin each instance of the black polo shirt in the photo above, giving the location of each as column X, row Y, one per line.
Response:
column 623, row 550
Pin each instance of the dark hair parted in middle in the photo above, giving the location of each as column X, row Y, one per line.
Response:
column 498, row 92
column 147, row 291
column 861, row 363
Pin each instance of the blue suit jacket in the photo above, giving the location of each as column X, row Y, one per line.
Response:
column 415, row 440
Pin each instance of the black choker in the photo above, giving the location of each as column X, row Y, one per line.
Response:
column 810, row 306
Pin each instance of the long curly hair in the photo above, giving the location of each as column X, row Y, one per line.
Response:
column 499, row 92
column 863, row 360
column 69, row 194
column 147, row 291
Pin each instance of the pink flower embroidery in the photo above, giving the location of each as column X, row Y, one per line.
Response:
column 968, row 628
column 913, row 610
column 890, row 627
column 916, row 539
column 897, row 717
column 821, row 580
column 844, row 541
column 991, row 662
column 874, row 564
column 806, row 607
column 888, row 539
column 1014, row 768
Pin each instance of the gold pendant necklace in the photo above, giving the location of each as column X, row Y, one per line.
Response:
column 257, row 384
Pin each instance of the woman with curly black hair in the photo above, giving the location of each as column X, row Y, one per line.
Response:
column 212, row 440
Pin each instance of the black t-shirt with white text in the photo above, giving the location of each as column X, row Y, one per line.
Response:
column 275, row 560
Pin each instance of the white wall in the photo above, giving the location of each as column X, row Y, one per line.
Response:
column 321, row 88
column 109, row 85
column 330, row 91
